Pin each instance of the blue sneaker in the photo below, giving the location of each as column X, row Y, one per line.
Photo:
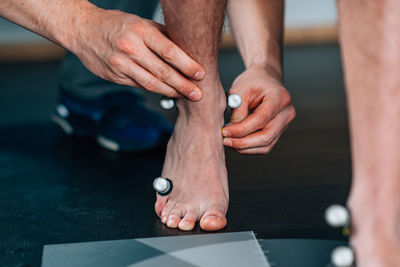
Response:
column 118, row 121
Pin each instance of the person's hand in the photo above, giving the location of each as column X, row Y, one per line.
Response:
column 264, row 114
column 129, row 50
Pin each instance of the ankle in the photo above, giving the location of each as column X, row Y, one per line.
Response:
column 375, row 210
column 210, row 109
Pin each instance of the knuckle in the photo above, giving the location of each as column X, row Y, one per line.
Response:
column 168, row 52
column 192, row 68
column 260, row 122
column 163, row 72
column 265, row 150
column 186, row 87
column 267, row 139
column 139, row 27
column 286, row 100
column 150, row 84
column 115, row 61
column 125, row 46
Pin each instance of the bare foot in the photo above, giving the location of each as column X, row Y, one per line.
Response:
column 375, row 234
column 195, row 162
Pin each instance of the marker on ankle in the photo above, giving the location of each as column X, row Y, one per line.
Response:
column 342, row 256
column 234, row 101
column 167, row 103
column 337, row 216
column 163, row 186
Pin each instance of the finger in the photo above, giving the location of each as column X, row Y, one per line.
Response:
column 147, row 80
column 259, row 150
column 255, row 121
column 166, row 74
column 257, row 139
column 265, row 136
column 171, row 53
column 240, row 113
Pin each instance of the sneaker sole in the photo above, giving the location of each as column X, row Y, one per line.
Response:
column 64, row 124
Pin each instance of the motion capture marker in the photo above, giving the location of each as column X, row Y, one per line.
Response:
column 342, row 256
column 62, row 110
column 167, row 103
column 234, row 101
column 162, row 185
column 337, row 216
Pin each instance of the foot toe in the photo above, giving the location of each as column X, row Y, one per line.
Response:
column 159, row 205
column 213, row 221
column 188, row 221
column 166, row 211
column 174, row 217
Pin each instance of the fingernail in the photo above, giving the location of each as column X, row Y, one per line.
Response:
column 195, row 95
column 227, row 142
column 199, row 75
column 226, row 133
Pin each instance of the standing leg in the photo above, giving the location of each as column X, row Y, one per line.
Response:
column 370, row 41
column 195, row 158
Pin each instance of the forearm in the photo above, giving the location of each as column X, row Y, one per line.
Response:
column 258, row 30
column 54, row 20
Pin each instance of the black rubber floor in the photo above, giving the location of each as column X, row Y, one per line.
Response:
column 55, row 189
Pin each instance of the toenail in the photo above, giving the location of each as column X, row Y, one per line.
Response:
column 164, row 219
column 170, row 221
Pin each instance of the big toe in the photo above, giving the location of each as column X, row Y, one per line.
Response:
column 213, row 221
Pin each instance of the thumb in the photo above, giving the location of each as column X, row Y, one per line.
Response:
column 239, row 114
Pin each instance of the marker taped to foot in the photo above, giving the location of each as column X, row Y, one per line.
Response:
column 167, row 103
column 163, row 186
column 342, row 257
column 337, row 216
column 234, row 101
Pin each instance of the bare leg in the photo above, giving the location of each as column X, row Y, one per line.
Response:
column 370, row 40
column 195, row 158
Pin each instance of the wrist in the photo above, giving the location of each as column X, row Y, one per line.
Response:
column 273, row 70
column 74, row 19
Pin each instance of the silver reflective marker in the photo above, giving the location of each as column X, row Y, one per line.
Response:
column 337, row 216
column 234, row 101
column 167, row 103
column 342, row 256
column 162, row 185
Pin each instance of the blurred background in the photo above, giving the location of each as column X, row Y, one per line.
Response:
column 306, row 21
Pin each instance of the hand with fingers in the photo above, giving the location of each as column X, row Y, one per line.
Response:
column 129, row 50
column 264, row 114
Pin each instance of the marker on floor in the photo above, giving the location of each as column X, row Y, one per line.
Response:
column 167, row 103
column 234, row 101
column 163, row 186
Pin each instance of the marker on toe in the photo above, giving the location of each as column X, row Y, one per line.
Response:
column 234, row 101
column 167, row 103
column 163, row 186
